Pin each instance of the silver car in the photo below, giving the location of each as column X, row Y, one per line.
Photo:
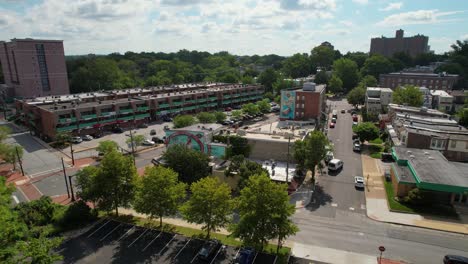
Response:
column 359, row 182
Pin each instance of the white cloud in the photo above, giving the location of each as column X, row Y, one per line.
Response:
column 464, row 37
column 417, row 17
column 361, row 2
column 392, row 6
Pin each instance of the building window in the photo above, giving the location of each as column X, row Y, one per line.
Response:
column 453, row 144
column 297, row 105
column 438, row 143
column 303, row 97
column 41, row 59
column 298, row 98
column 302, row 105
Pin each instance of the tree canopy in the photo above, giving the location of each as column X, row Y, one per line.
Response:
column 190, row 164
column 357, row 96
column 183, row 121
column 335, row 85
column 408, row 95
column 322, row 56
column 347, row 71
column 366, row 131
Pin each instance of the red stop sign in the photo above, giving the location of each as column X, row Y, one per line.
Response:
column 382, row 248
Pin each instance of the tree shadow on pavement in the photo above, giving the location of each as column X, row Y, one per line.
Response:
column 319, row 198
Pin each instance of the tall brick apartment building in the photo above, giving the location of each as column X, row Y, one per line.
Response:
column 34, row 68
column 411, row 45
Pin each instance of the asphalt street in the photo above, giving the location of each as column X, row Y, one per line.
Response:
column 335, row 190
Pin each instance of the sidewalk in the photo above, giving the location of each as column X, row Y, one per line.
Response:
column 377, row 207
column 329, row 255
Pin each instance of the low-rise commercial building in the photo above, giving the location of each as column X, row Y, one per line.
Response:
column 428, row 170
column 304, row 104
column 378, row 99
column 93, row 113
column 428, row 129
column 433, row 81
column 460, row 97
column 442, row 101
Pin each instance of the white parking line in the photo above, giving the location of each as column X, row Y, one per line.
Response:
column 276, row 257
column 253, row 261
column 222, row 247
column 111, row 232
column 196, row 255
column 126, row 233
column 237, row 253
column 160, row 232
column 181, row 248
column 15, row 199
column 138, row 238
column 98, row 229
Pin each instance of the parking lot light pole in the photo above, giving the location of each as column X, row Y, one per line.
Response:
column 65, row 176
column 71, row 151
column 71, row 188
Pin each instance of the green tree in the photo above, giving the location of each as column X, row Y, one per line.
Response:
column 347, row 71
column 136, row 140
column 114, row 182
column 264, row 212
column 368, row 81
column 269, row 96
column 190, row 164
column 40, row 249
column 246, row 79
column 335, row 84
column 408, row 95
column 404, row 57
column 282, row 84
column 321, row 77
column 267, row 78
column 107, row 146
column 219, row 116
column 299, row 154
column 236, row 114
column 251, row 109
column 4, row 133
column 210, row 204
column 357, row 96
column 183, row 121
column 36, row 213
column 62, row 139
column 205, row 117
column 10, row 153
column 315, row 150
column 85, row 181
column 244, row 168
column 358, row 57
column 158, row 193
column 366, row 131
column 297, row 66
column 376, row 65
column 463, row 117
column 264, row 106
column 322, row 56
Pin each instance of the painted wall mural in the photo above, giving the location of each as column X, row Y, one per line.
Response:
column 288, row 104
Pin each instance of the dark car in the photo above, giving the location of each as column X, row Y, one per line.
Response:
column 209, row 249
column 142, row 125
column 453, row 259
column 157, row 140
column 387, row 157
column 118, row 130
column 167, row 119
column 245, row 256
column 152, row 132
column 355, row 136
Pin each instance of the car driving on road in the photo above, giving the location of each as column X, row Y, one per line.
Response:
column 358, row 182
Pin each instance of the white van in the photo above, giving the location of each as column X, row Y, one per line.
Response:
column 335, row 164
column 329, row 156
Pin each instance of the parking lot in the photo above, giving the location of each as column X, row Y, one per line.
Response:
column 109, row 241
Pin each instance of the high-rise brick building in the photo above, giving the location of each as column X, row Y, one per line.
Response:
column 33, row 67
column 411, row 45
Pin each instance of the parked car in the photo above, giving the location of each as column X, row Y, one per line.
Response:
column 245, row 256
column 237, row 107
column 335, row 164
column 209, row 249
column 167, row 119
column 332, row 125
column 329, row 156
column 356, row 141
column 142, row 125
column 355, row 118
column 387, row 157
column 118, row 130
column 148, row 142
column 357, row 147
column 275, row 109
column 333, row 119
column 387, row 175
column 257, row 119
column 355, row 136
column 76, row 140
column 358, row 182
column 454, row 259
column 97, row 135
column 228, row 109
column 343, row 111
column 355, row 123
column 87, row 137
column 152, row 132
column 158, row 161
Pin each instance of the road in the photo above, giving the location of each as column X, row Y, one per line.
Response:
column 336, row 216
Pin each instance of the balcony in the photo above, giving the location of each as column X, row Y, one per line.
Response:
column 202, row 100
column 190, row 101
column 142, row 116
column 163, row 105
column 142, row 108
column 125, row 118
column 177, row 103
column 86, row 117
column 126, row 111
column 188, row 108
column 212, row 98
column 65, row 129
column 227, row 101
column 227, row 96
column 66, row 120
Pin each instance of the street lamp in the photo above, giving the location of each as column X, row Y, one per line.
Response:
column 381, row 249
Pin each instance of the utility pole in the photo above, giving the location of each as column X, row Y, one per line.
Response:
column 65, row 176
column 71, row 151
column 71, row 189
column 133, row 148
column 19, row 160
column 287, row 164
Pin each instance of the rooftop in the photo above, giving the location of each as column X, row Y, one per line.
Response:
column 421, row 110
column 423, row 74
column 200, row 127
column 278, row 171
column 381, row 89
column 431, row 167
column 440, row 93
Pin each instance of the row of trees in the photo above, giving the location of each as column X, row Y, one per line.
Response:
column 9, row 152
column 263, row 205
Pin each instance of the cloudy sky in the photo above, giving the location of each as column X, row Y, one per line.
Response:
column 243, row 27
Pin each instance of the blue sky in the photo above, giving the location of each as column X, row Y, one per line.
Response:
column 243, row 27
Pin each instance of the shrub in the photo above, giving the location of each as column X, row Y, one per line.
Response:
column 418, row 197
column 37, row 213
column 77, row 214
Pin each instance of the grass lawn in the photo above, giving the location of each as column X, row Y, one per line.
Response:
column 283, row 254
column 376, row 151
column 434, row 209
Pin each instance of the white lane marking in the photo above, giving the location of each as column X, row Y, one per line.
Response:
column 351, row 208
column 222, row 247
column 152, row 241
column 363, row 207
column 334, row 204
column 276, row 257
column 15, row 199
column 111, row 232
column 196, row 255
column 159, row 253
column 138, row 238
column 181, row 248
column 361, row 234
column 253, row 261
column 126, row 233
column 98, row 229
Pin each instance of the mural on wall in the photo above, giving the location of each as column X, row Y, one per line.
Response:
column 194, row 140
column 288, row 103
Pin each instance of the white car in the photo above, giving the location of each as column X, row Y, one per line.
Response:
column 148, row 142
column 358, row 182
column 87, row 137
column 76, row 140
column 357, row 147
